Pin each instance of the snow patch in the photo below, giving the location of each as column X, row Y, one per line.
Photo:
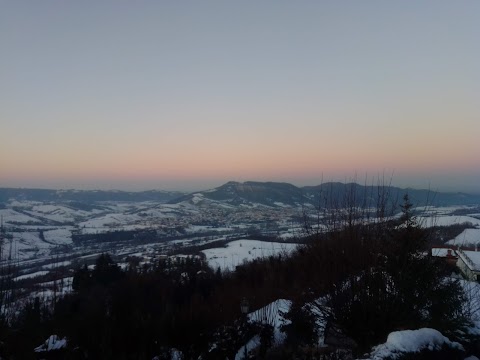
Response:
column 239, row 251
column 52, row 343
column 468, row 236
column 408, row 341
column 273, row 314
column 427, row 222
column 32, row 275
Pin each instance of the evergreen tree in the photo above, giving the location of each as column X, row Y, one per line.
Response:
column 401, row 288
column 82, row 279
column 106, row 270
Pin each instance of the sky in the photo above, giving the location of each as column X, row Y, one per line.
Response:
column 190, row 94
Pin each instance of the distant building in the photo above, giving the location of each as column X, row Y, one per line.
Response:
column 469, row 263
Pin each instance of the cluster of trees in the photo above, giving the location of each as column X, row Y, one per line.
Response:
column 363, row 278
column 396, row 285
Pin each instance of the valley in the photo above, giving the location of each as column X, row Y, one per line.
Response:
column 47, row 235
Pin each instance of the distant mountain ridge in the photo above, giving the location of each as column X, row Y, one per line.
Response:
column 87, row 196
column 266, row 193
column 275, row 194
column 372, row 194
column 334, row 194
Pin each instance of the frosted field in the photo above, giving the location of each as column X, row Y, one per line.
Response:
column 24, row 221
column 467, row 237
column 110, row 220
column 59, row 236
column 32, row 275
column 239, row 251
column 441, row 210
column 59, row 213
column 26, row 245
column 446, row 220
column 11, row 216
column 205, row 228
column 138, row 216
column 56, row 265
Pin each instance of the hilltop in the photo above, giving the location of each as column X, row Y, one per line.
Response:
column 278, row 194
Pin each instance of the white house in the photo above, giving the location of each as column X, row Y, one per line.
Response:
column 469, row 263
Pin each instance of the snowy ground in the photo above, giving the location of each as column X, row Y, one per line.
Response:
column 398, row 343
column 467, row 237
column 14, row 217
column 59, row 236
column 32, row 275
column 271, row 314
column 442, row 210
column 446, row 220
column 410, row 341
column 240, row 251
column 39, row 234
column 39, row 228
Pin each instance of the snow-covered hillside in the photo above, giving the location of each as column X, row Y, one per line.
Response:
column 240, row 251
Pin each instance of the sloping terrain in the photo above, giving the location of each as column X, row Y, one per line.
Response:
column 331, row 194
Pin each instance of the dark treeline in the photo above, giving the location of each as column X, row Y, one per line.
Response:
column 133, row 314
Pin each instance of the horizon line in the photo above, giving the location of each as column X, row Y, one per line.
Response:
column 232, row 181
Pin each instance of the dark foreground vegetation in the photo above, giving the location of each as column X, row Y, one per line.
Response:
column 364, row 279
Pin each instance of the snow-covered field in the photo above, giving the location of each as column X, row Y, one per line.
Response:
column 32, row 275
column 11, row 216
column 444, row 217
column 59, row 213
column 59, row 236
column 26, row 244
column 38, row 228
column 467, row 237
column 240, row 251
column 447, row 220
column 442, row 210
